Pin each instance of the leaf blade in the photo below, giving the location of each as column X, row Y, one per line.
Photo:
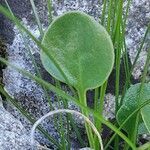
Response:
column 82, row 48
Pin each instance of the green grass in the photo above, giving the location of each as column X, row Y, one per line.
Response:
column 114, row 21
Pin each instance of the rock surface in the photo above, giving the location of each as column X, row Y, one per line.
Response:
column 12, row 133
column 139, row 16
column 29, row 94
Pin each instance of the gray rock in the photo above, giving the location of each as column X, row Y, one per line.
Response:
column 12, row 133
column 86, row 148
column 29, row 94
column 109, row 106
column 1, row 104
column 139, row 16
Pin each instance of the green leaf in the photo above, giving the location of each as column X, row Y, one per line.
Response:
column 81, row 47
column 50, row 87
column 142, row 129
column 145, row 112
column 131, row 102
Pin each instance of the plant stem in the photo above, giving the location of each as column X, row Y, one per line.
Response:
column 116, row 145
column 141, row 46
column 96, row 107
column 103, row 12
column 82, row 99
column 49, row 6
column 102, row 95
column 146, row 146
column 109, row 16
column 96, row 97
column 99, row 109
column 49, row 86
column 60, row 118
column 37, row 18
column 69, row 120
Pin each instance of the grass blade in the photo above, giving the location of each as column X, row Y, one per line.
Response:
column 9, row 15
column 130, row 116
column 37, row 17
column 70, row 98
column 28, row 116
column 49, row 6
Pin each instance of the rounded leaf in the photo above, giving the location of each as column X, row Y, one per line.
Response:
column 81, row 47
